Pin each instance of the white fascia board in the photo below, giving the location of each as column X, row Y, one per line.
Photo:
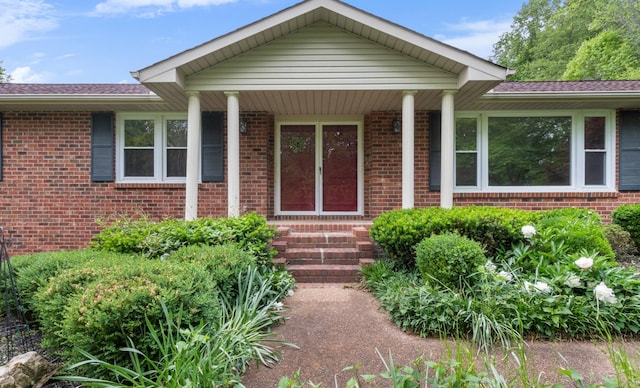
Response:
column 470, row 74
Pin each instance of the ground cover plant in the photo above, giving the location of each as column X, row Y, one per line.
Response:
column 214, row 274
column 547, row 274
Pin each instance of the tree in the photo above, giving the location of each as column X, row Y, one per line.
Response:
column 607, row 56
column 4, row 77
column 549, row 35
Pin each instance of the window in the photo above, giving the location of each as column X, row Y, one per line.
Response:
column 518, row 152
column 153, row 148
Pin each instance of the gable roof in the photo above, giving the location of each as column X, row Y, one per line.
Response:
column 168, row 78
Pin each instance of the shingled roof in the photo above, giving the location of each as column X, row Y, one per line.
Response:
column 567, row 86
column 73, row 89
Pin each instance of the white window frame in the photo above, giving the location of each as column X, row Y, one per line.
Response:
column 577, row 181
column 159, row 148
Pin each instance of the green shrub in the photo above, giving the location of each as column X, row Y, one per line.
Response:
column 620, row 241
column 34, row 271
column 449, row 259
column 97, row 308
column 580, row 229
column 222, row 262
column 398, row 231
column 628, row 216
column 158, row 239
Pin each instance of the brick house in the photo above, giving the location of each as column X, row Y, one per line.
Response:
column 321, row 115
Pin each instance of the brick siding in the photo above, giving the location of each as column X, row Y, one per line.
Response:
column 48, row 201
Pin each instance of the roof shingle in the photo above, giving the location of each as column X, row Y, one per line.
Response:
column 568, row 86
column 73, row 89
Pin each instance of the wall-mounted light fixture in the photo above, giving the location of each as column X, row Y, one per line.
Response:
column 396, row 125
column 243, row 127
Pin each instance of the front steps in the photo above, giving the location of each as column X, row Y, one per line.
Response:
column 323, row 252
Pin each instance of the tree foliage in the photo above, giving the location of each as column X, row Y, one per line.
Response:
column 4, row 77
column 572, row 39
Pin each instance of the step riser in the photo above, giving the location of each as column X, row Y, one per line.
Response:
column 324, row 253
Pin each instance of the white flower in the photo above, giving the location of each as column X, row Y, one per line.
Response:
column 504, row 275
column 490, row 266
column 528, row 231
column 604, row 293
column 537, row 286
column 290, row 293
column 277, row 306
column 584, row 262
column 573, row 281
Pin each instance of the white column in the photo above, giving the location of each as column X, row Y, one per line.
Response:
column 447, row 149
column 193, row 157
column 233, row 154
column 408, row 149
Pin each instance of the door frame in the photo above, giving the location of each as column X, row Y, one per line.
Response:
column 319, row 121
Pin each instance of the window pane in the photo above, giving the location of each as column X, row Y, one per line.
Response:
column 466, row 169
column 176, row 133
column 177, row 162
column 138, row 133
column 529, row 151
column 138, row 163
column 594, row 168
column 594, row 133
column 466, row 134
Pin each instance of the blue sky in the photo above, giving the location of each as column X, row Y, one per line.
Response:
column 101, row 41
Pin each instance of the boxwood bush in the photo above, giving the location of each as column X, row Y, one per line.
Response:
column 628, row 216
column 97, row 307
column 449, row 260
column 399, row 231
column 158, row 239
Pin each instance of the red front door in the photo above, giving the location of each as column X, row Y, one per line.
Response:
column 319, row 168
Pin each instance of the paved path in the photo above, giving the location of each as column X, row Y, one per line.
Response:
column 339, row 326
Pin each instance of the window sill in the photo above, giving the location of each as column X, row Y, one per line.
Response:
column 154, row 185
column 532, row 195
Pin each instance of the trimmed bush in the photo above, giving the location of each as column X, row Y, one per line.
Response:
column 620, row 241
column 34, row 271
column 398, row 231
column 628, row 216
column 449, row 259
column 98, row 308
column 222, row 262
column 158, row 239
column 581, row 230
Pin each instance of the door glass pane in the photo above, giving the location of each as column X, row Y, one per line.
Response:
column 340, row 168
column 529, row 151
column 297, row 168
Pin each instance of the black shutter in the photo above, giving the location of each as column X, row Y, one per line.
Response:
column 1, row 153
column 102, row 147
column 212, row 146
column 435, row 133
column 629, row 150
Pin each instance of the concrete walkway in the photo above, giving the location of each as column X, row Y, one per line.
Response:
column 336, row 326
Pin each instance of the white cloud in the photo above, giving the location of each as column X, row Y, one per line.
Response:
column 476, row 37
column 24, row 75
column 20, row 19
column 152, row 8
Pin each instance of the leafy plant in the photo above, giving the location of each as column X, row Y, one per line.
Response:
column 449, row 260
column 208, row 355
column 628, row 216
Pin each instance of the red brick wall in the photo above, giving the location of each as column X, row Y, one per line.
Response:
column 48, row 201
column 47, row 198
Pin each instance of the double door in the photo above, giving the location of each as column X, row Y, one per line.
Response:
column 319, row 169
